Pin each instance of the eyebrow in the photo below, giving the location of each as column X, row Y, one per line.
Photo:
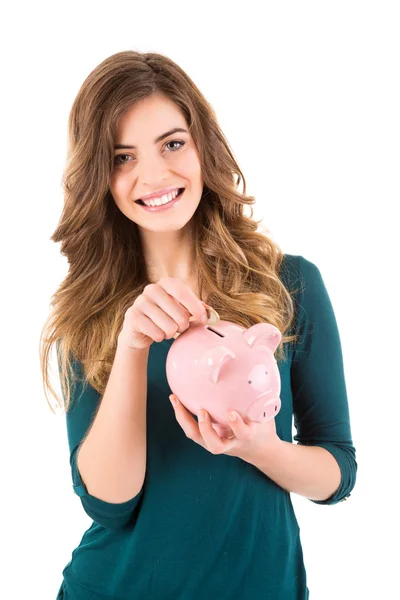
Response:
column 158, row 139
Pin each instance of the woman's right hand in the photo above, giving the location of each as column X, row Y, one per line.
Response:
column 163, row 309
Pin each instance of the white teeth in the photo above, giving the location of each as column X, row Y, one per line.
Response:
column 162, row 199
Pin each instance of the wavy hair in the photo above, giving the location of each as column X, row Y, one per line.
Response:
column 237, row 265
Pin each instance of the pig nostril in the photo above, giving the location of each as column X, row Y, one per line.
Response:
column 264, row 414
column 276, row 408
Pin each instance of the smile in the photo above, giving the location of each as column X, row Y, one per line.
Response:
column 165, row 202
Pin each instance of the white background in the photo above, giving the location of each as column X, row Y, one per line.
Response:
column 307, row 94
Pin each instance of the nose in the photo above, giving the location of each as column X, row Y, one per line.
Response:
column 152, row 172
column 264, row 409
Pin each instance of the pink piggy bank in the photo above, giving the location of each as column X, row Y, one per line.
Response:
column 226, row 367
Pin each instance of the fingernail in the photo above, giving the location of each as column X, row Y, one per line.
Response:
column 173, row 400
column 232, row 416
column 201, row 415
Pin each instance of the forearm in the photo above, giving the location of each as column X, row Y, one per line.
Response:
column 309, row 471
column 112, row 457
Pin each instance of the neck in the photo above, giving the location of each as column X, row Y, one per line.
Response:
column 169, row 254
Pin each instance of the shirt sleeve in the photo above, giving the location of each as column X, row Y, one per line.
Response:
column 85, row 401
column 320, row 403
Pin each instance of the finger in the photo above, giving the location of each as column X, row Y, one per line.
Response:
column 184, row 295
column 241, row 430
column 214, row 442
column 186, row 421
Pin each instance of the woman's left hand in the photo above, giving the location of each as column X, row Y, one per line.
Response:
column 249, row 440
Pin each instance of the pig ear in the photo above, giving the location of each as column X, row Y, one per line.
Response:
column 263, row 334
column 213, row 359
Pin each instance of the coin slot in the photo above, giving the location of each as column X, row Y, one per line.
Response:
column 215, row 331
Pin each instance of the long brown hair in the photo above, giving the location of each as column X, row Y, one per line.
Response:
column 237, row 265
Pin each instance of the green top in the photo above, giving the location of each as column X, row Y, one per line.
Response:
column 208, row 526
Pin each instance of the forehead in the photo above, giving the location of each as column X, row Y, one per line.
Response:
column 148, row 118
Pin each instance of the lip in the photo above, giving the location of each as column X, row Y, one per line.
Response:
column 163, row 207
column 158, row 193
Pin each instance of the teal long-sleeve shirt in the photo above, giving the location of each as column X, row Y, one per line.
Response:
column 208, row 526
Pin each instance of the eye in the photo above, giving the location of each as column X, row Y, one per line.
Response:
column 176, row 142
column 249, row 381
column 118, row 159
column 120, row 162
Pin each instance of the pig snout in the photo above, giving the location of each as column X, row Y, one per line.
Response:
column 264, row 409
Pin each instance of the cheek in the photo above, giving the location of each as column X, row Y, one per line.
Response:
column 189, row 164
column 118, row 185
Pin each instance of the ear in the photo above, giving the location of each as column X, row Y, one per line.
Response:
column 263, row 335
column 214, row 358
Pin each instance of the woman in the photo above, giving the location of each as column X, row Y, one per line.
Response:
column 178, row 512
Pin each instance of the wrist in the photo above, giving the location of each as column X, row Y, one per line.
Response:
column 268, row 452
column 125, row 343
column 123, row 348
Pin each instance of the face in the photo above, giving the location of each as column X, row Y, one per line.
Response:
column 155, row 164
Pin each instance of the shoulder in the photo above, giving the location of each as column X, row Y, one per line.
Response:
column 296, row 271
column 303, row 280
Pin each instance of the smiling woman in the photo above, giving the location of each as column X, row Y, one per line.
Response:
column 174, row 516
column 156, row 167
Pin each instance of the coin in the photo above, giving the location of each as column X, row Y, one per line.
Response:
column 213, row 319
column 213, row 316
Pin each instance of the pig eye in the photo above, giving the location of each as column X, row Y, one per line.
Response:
column 266, row 372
